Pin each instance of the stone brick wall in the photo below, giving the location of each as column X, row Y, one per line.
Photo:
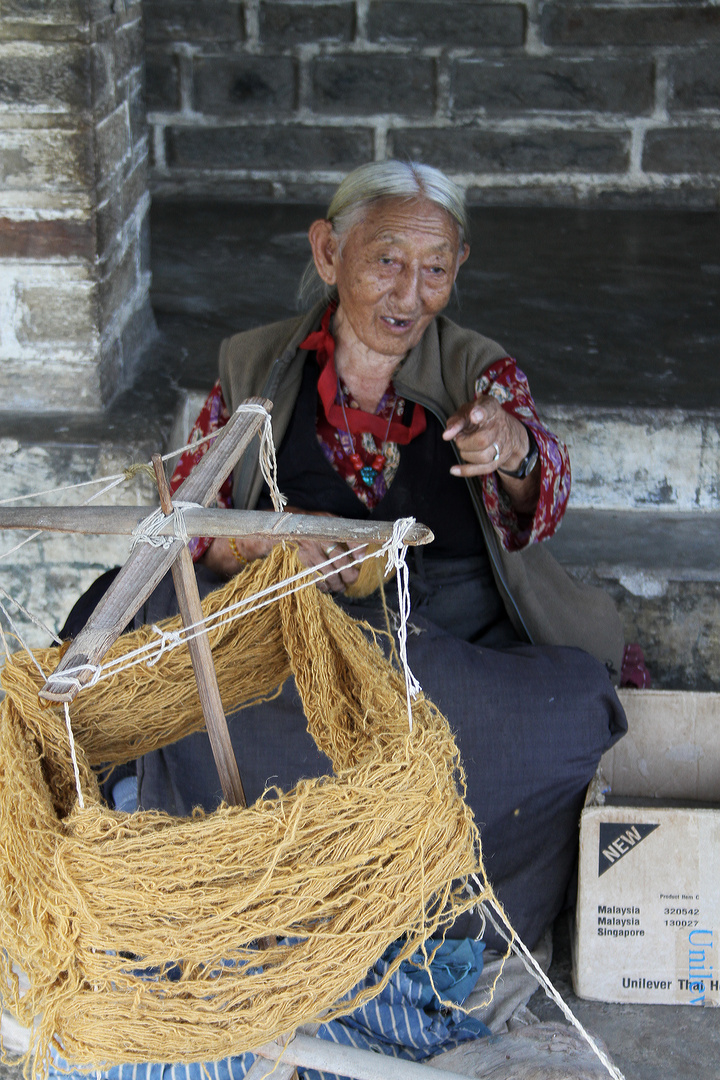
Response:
column 539, row 101
column 74, row 259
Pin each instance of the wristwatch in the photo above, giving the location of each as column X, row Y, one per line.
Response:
column 528, row 463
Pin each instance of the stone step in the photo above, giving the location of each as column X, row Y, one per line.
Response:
column 662, row 568
column 644, row 550
column 632, row 458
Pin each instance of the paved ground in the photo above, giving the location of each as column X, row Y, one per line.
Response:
column 646, row 1042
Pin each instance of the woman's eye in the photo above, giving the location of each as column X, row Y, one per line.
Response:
column 437, row 271
column 386, row 260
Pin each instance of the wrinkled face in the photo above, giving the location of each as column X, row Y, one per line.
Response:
column 395, row 272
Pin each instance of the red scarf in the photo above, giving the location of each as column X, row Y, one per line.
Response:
column 354, row 420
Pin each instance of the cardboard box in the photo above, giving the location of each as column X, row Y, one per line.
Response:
column 648, row 913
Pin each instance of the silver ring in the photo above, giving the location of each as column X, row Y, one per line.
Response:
column 497, row 452
column 327, row 550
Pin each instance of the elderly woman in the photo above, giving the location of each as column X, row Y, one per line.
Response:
column 384, row 408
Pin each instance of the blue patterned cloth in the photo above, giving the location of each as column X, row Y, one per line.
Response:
column 406, row 1019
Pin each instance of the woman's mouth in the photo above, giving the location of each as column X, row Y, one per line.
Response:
column 397, row 322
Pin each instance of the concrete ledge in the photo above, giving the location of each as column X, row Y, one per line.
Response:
column 640, row 545
column 666, row 459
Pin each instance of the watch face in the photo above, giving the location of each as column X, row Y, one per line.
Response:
column 529, row 463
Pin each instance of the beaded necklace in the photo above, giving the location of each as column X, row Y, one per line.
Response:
column 367, row 471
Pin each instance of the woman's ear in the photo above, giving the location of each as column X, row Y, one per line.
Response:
column 324, row 249
column 462, row 256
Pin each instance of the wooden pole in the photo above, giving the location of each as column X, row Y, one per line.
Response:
column 206, row 521
column 310, row 1052
column 191, row 611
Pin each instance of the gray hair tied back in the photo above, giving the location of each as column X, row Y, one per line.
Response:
column 383, row 180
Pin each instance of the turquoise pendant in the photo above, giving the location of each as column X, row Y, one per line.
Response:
column 367, row 475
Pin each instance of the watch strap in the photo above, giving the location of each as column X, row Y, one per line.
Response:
column 528, row 463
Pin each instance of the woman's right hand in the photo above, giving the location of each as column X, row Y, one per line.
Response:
column 222, row 560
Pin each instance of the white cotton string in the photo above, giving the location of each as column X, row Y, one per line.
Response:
column 394, row 549
column 10, row 551
column 20, row 638
column 118, row 477
column 396, row 553
column 73, row 755
column 6, row 647
column 147, row 531
column 192, row 445
column 268, row 461
column 113, row 479
column 169, row 639
column 149, row 653
column 33, row 618
column 521, row 950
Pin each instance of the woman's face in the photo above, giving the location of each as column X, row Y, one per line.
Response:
column 394, row 273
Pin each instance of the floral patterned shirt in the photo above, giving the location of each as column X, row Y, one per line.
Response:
column 504, row 381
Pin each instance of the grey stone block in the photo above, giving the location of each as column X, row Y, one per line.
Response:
column 46, row 160
column 630, row 23
column 117, row 285
column 109, row 220
column 682, row 150
column 47, row 239
column 59, row 11
column 289, row 24
column 194, row 20
column 139, row 330
column 530, row 151
column 134, row 188
column 49, row 76
column 361, row 85
column 278, row 146
column 459, row 23
column 129, row 48
column 238, row 85
column 695, row 80
column 102, row 76
column 678, row 631
column 514, row 84
column 162, row 81
column 137, row 108
column 144, row 243
column 112, row 143
column 57, row 315
column 110, row 369
column 49, row 382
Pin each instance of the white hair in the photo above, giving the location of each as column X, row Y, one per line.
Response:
column 384, row 180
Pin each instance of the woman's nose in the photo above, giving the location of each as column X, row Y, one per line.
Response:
column 407, row 286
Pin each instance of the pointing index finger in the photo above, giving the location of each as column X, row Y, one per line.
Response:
column 464, row 421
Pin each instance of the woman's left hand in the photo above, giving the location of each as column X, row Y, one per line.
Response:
column 487, row 438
